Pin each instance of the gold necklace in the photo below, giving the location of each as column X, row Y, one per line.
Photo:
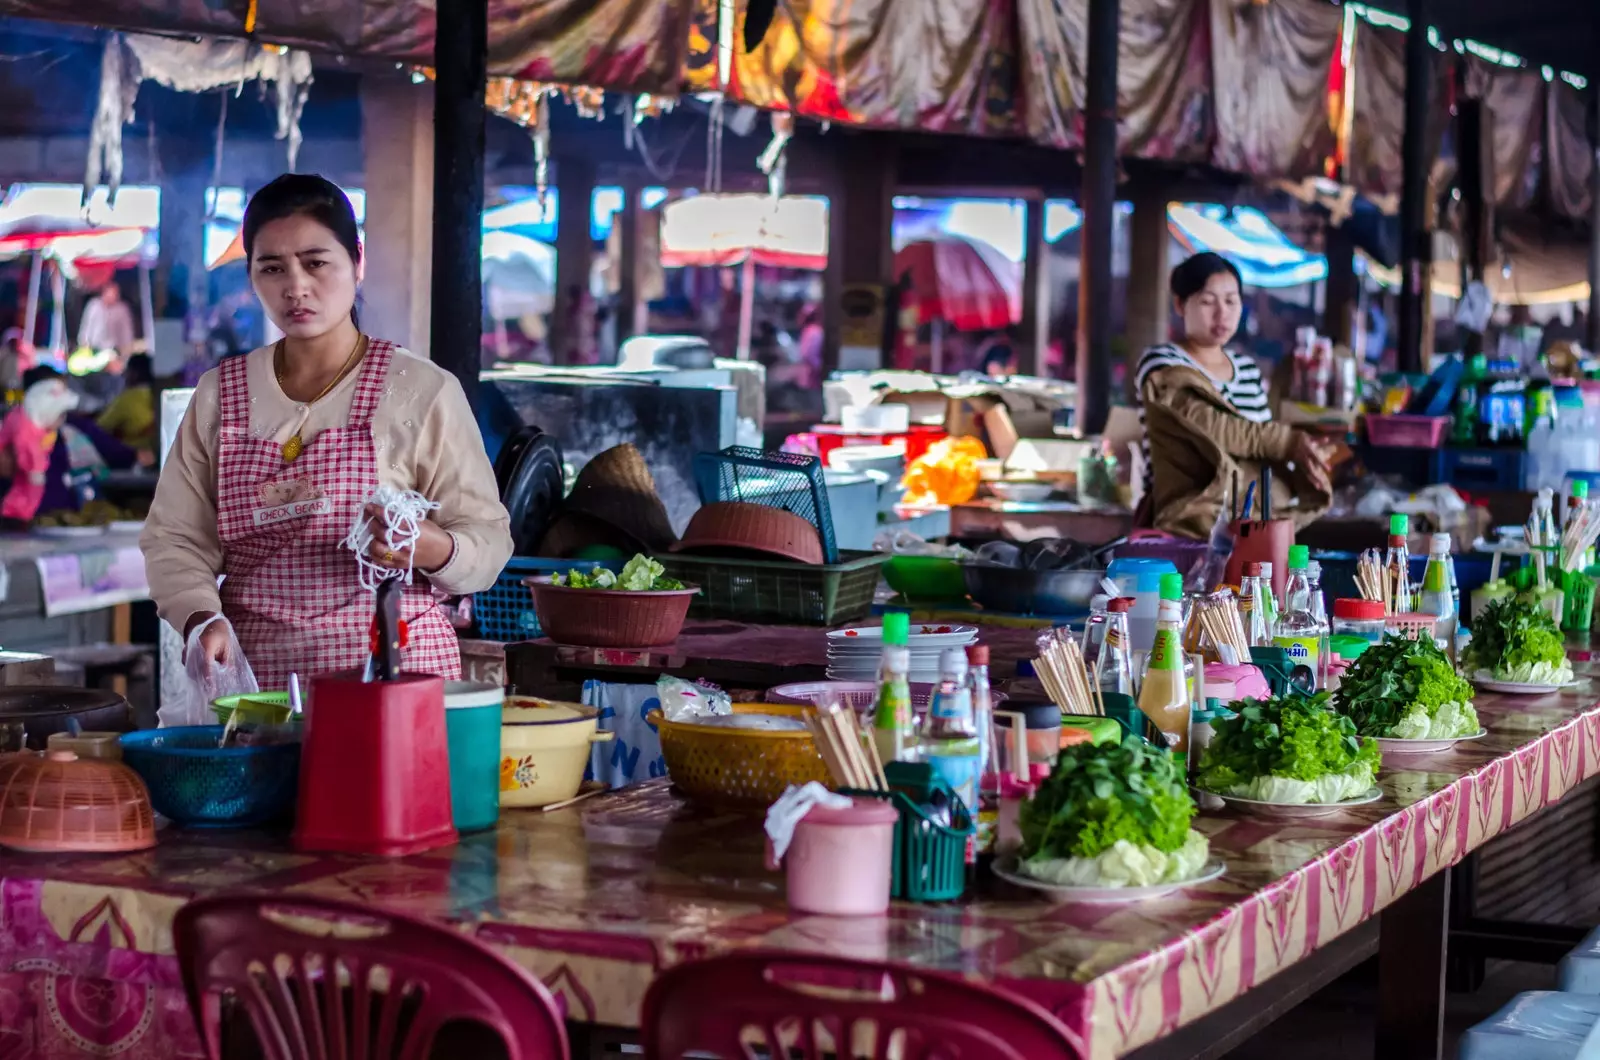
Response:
column 294, row 446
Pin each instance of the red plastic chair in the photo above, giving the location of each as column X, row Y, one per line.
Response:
column 786, row 1006
column 395, row 982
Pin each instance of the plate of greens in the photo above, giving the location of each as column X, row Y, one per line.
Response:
column 1111, row 824
column 1406, row 694
column 1289, row 756
column 1517, row 648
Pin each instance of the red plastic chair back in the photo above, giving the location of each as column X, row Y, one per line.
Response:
column 742, row 1006
column 324, row 980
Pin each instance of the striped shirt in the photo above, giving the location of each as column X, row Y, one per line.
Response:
column 1243, row 392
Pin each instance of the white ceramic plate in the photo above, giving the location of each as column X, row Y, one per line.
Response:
column 69, row 533
column 1294, row 811
column 1022, row 492
column 923, row 635
column 1007, row 870
column 1390, row 746
column 1486, row 682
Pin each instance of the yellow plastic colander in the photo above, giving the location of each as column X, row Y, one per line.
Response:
column 712, row 763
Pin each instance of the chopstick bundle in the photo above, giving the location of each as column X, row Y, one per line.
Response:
column 1065, row 675
column 1580, row 535
column 1372, row 577
column 839, row 740
column 1222, row 624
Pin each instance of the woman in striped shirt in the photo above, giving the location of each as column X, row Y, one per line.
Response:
column 1212, row 408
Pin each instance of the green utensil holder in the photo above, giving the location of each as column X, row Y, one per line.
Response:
column 1124, row 710
column 1578, row 601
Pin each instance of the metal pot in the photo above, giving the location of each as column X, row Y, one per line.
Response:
column 44, row 710
column 1015, row 591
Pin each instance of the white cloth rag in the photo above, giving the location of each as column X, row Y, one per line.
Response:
column 791, row 808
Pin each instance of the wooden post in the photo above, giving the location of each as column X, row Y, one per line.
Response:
column 1475, row 180
column 1034, row 328
column 860, row 251
column 1149, row 273
column 628, row 219
column 574, row 253
column 1416, row 242
column 1099, row 207
column 1340, row 296
column 461, row 55
column 1594, row 219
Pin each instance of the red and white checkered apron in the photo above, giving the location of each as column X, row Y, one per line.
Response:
column 290, row 588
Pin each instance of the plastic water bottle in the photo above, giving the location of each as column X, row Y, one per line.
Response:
column 1544, row 457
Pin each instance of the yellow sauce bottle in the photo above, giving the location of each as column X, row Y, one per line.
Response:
column 1164, row 695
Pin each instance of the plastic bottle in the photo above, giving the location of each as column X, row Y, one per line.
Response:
column 1319, row 611
column 1464, row 429
column 1269, row 599
column 950, row 743
column 1397, row 561
column 1299, row 633
column 892, row 718
column 982, row 703
column 1253, row 608
column 1544, row 460
column 1437, row 598
column 1163, row 693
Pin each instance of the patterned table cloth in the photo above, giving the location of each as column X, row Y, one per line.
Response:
column 596, row 898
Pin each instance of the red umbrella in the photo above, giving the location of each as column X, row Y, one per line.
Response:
column 968, row 284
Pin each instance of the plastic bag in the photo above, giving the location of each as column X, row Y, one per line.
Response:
column 209, row 680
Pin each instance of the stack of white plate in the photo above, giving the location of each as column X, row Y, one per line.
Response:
column 854, row 653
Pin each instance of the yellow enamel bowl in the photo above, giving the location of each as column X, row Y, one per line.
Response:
column 544, row 749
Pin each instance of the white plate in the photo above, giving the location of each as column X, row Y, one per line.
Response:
column 916, row 677
column 1007, row 871
column 1391, row 746
column 1290, row 810
column 1486, row 682
column 69, row 533
column 923, row 635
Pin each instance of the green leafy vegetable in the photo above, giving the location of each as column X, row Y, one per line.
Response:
column 1405, row 688
column 639, row 574
column 1099, row 794
column 1517, row 640
column 1289, row 749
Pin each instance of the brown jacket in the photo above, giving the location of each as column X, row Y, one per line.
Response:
column 1197, row 441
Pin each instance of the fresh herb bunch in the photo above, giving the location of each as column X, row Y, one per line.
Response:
column 1286, row 736
column 1512, row 634
column 1406, row 688
column 1097, row 795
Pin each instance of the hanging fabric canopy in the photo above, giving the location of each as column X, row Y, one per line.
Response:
column 789, row 232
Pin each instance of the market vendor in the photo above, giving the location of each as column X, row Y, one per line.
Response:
column 27, row 441
column 1207, row 422
column 281, row 449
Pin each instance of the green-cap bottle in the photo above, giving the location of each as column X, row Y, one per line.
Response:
column 1300, row 557
column 1171, row 587
column 1399, row 525
column 892, row 719
column 897, row 628
column 1580, row 488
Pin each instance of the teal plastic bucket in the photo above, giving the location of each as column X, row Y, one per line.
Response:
column 472, row 722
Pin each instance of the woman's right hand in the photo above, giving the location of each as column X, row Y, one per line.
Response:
column 1311, row 458
column 214, row 638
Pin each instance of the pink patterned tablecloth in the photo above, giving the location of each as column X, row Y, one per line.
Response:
column 597, row 898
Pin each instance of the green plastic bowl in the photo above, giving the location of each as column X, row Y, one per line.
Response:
column 223, row 708
column 925, row 578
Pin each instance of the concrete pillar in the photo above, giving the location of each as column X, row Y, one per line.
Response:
column 859, row 306
column 397, row 143
column 574, row 256
column 1099, row 211
column 1149, row 272
column 461, row 58
column 1033, row 337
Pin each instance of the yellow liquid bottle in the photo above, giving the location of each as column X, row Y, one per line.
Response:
column 1164, row 694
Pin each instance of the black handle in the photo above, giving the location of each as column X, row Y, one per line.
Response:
column 386, row 653
column 1266, row 494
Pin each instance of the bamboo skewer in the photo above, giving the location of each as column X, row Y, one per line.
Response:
column 838, row 736
column 1065, row 676
column 1221, row 624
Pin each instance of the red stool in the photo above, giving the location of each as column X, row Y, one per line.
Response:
column 302, row 971
column 806, row 1007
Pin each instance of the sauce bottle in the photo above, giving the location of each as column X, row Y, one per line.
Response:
column 1164, row 694
column 892, row 718
column 1299, row 633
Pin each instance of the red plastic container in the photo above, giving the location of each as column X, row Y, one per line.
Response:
column 1407, row 432
column 375, row 767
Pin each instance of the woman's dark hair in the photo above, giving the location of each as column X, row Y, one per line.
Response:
column 303, row 193
column 38, row 374
column 1189, row 278
column 137, row 371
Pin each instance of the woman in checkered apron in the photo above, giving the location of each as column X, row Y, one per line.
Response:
column 280, row 449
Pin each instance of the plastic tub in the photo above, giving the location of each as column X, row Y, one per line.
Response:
column 1359, row 618
column 841, row 862
column 930, row 578
column 1407, row 432
column 1141, row 579
column 472, row 712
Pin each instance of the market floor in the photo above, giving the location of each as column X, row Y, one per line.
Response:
column 1337, row 1023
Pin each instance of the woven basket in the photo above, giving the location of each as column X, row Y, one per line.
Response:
column 714, row 764
column 609, row 618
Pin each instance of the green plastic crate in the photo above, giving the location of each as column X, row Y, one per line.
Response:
column 780, row 591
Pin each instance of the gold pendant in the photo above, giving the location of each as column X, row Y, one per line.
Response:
column 292, row 449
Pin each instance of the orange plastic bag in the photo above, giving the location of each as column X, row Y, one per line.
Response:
column 946, row 474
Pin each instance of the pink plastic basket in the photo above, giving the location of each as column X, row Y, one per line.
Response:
column 1407, row 432
column 857, row 695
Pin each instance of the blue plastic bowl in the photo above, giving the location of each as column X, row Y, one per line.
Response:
column 194, row 782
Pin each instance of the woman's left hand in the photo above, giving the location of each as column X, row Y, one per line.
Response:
column 432, row 551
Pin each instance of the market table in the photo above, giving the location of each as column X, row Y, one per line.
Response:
column 596, row 898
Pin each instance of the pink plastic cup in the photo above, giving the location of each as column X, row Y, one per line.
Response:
column 841, row 862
